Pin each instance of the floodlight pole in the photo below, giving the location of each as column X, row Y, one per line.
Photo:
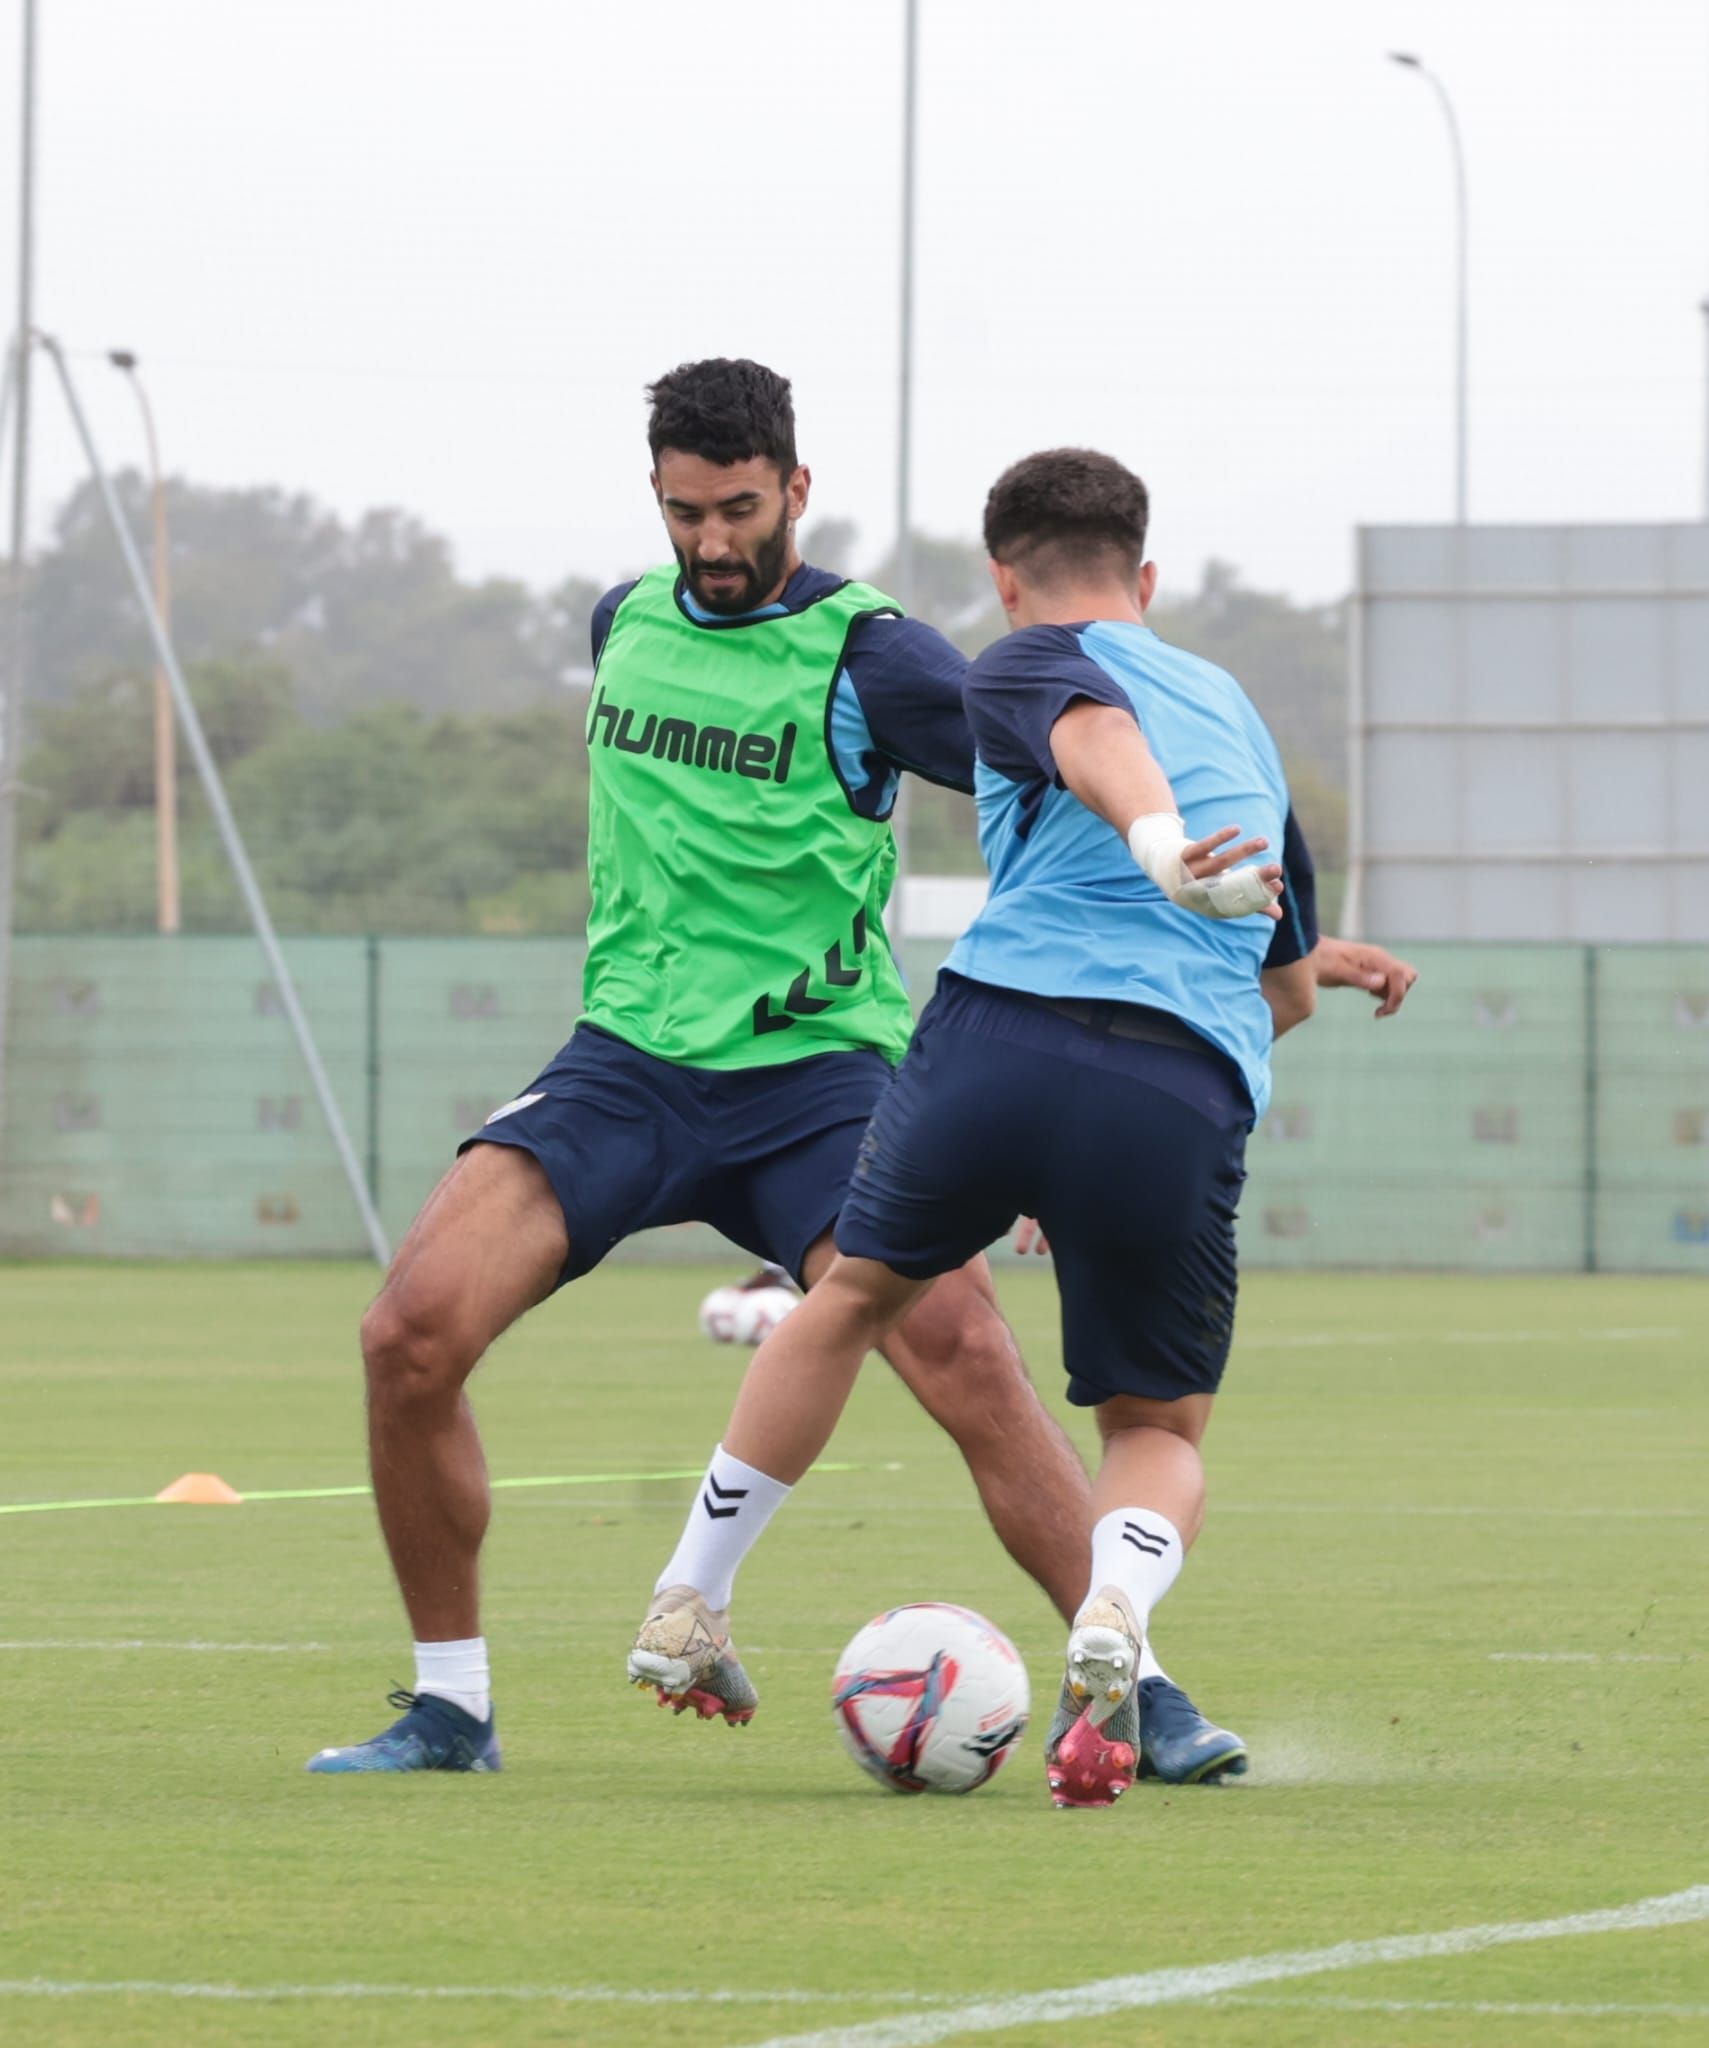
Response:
column 214, row 790
column 167, row 915
column 896, row 921
column 905, row 355
column 12, row 647
column 1413, row 63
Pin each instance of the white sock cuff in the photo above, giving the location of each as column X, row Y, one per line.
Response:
column 456, row 1671
column 1151, row 1534
column 1138, row 1551
column 729, row 1513
column 760, row 1487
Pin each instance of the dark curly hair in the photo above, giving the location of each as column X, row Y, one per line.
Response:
column 725, row 409
column 1067, row 512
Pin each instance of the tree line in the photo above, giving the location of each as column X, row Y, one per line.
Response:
column 403, row 748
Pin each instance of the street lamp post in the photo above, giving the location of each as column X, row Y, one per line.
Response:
column 905, row 351
column 165, row 727
column 1414, row 63
column 897, row 920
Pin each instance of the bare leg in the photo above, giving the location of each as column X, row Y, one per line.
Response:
column 489, row 1244
column 956, row 1355
column 802, row 1375
column 1151, row 1454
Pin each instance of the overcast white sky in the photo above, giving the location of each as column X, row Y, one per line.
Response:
column 426, row 254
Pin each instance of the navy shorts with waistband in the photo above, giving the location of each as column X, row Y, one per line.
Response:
column 630, row 1142
column 1130, row 1154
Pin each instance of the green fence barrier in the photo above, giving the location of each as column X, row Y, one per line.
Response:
column 1533, row 1107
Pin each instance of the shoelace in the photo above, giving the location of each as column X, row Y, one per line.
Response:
column 403, row 1699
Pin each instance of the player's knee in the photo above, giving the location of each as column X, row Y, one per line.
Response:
column 965, row 1366
column 1186, row 1418
column 409, row 1357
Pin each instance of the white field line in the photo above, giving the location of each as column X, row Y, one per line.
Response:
column 525, row 1994
column 1508, row 2009
column 1580, row 1657
column 1195, row 1984
column 1367, row 1340
column 212, row 1649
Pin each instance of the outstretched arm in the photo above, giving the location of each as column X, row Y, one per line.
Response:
column 1103, row 759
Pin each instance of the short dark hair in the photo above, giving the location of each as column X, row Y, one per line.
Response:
column 725, row 409
column 1067, row 512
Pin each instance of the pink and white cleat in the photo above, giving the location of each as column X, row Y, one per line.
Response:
column 1091, row 1755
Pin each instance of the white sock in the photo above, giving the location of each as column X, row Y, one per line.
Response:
column 734, row 1504
column 1148, row 1664
column 1139, row 1553
column 457, row 1672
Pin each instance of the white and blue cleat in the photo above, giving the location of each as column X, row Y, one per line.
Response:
column 432, row 1735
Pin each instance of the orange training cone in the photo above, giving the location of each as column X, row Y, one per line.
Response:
column 201, row 1490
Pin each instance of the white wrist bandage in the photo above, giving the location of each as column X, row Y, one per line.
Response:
column 1158, row 839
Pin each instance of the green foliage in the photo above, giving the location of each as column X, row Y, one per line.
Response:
column 389, row 822
column 356, row 614
column 401, row 749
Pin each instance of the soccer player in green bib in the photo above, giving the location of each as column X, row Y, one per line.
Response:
column 748, row 725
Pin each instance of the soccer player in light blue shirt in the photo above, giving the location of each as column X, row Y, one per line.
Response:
column 1095, row 1055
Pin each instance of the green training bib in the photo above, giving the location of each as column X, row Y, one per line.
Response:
column 738, row 899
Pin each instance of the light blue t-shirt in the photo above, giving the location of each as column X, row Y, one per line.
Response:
column 1070, row 913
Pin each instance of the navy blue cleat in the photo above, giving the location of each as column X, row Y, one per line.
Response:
column 433, row 1735
column 1177, row 1744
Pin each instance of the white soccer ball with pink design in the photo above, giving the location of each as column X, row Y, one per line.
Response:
column 930, row 1698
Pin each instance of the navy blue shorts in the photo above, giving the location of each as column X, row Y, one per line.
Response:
column 1130, row 1154
column 629, row 1142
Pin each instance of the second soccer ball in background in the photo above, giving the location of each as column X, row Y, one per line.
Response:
column 745, row 1315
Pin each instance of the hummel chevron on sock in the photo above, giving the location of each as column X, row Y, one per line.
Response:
column 457, row 1672
column 1139, row 1553
column 733, row 1505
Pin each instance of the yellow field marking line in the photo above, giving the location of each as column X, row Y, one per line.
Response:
column 148, row 1500
column 136, row 1643
column 520, row 1994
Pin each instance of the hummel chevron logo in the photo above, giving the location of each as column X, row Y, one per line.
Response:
column 735, row 1494
column 798, row 1002
column 1149, row 1540
column 836, row 974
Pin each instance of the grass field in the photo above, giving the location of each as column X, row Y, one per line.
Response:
column 1453, row 1591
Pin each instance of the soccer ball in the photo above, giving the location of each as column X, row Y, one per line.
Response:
column 749, row 1313
column 759, row 1310
column 930, row 1698
column 718, row 1314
